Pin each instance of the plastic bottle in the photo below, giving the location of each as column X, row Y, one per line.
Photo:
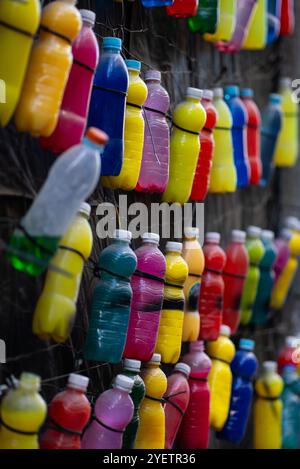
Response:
column 134, row 132
column 113, row 412
column 206, row 19
column 234, row 276
column 239, row 136
column 188, row 120
column 109, row 92
column 221, row 353
column 267, row 412
column 261, row 305
column 274, row 20
column 132, row 369
column 283, row 253
column 287, row 24
column 171, row 322
column 151, row 432
column 290, row 408
column 148, row 292
column 287, row 148
column 272, row 119
column 55, row 311
column 22, row 410
column 204, row 165
column 154, row 171
column 68, row 414
column 183, row 8
column 111, row 301
column 19, row 23
column 243, row 369
column 177, row 399
column 286, row 356
column 156, row 3
column 194, row 428
column 48, row 69
column 72, row 178
column 194, row 257
column 226, row 22
column 223, row 160
column 253, row 135
column 212, row 288
column 256, row 36
column 74, row 108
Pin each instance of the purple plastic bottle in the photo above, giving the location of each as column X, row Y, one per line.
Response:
column 147, row 285
column 283, row 252
column 154, row 172
column 113, row 411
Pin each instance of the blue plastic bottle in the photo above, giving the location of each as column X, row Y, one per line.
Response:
column 261, row 305
column 291, row 408
column 157, row 3
column 111, row 301
column 243, row 369
column 107, row 107
column 271, row 126
column 239, row 136
column 274, row 17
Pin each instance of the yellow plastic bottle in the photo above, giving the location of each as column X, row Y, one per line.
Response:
column 48, row 69
column 226, row 22
column 221, row 353
column 285, row 280
column 287, row 147
column 55, row 311
column 22, row 410
column 151, row 432
column 223, row 174
column 188, row 119
column 256, row 36
column 18, row 24
column 134, row 132
column 171, row 320
column 267, row 411
column 194, row 257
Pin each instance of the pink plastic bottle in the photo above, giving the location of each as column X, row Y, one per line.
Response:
column 234, row 276
column 113, row 411
column 74, row 109
column 148, row 290
column 177, row 397
column 154, row 172
column 194, row 429
column 283, row 252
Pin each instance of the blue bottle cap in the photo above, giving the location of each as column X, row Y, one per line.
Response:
column 133, row 65
column 275, row 98
column 247, row 344
column 112, row 43
column 232, row 91
column 247, row 93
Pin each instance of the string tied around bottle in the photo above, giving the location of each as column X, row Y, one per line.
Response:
column 97, row 270
column 51, row 424
column 185, row 130
column 167, row 400
column 34, row 242
column 16, row 430
column 85, row 66
column 104, row 425
column 56, row 33
column 141, row 274
column 16, row 29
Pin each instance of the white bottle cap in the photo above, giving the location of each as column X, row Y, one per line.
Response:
column 253, row 232
column 238, row 236
column 122, row 234
column 191, row 232
column 153, row 75
column 88, row 16
column 291, row 341
column 155, row 359
column 292, row 223
column 78, row 381
column 171, row 246
column 151, row 238
column 225, row 330
column 218, row 92
column 208, row 94
column 85, row 209
column 123, row 382
column 195, row 93
column 267, row 235
column 183, row 367
column 285, row 234
column 212, row 237
column 132, row 365
column 269, row 367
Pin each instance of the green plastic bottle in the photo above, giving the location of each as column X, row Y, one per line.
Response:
column 132, row 369
column 206, row 19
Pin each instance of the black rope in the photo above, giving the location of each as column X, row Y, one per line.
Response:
column 174, row 285
column 97, row 272
column 14, row 430
column 213, row 271
column 110, row 90
column 173, row 304
column 198, row 379
column 184, row 130
column 17, row 30
column 219, row 359
column 228, row 274
column 156, row 399
column 34, row 241
column 106, row 426
column 176, row 406
column 55, row 33
column 68, row 248
column 85, row 66
column 157, row 111
column 53, row 425
column 222, row 128
column 191, row 274
column 139, row 273
column 134, row 105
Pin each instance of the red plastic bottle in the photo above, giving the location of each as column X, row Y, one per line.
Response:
column 177, row 396
column 194, row 428
column 202, row 174
column 183, row 8
column 68, row 414
column 212, row 288
column 234, row 275
column 286, row 356
column 287, row 17
column 253, row 135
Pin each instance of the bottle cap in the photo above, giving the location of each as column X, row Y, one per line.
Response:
column 30, row 381
column 247, row 344
column 155, row 359
column 285, row 82
column 151, row 238
column 212, row 237
column 267, row 235
column 153, row 75
column 132, row 365
column 285, row 234
column 195, row 93
column 218, row 93
column 225, row 330
column 253, row 232
column 269, row 367
column 208, row 94
column 112, row 43
column 291, row 341
column 191, row 232
column 238, row 236
column 123, row 382
column 247, row 93
column 275, row 98
column 171, row 246
column 96, row 136
column 183, row 367
column 88, row 16
column 85, row 209
column 232, row 91
column 78, row 381
column 122, row 234
column 133, row 65
column 197, row 346
column 292, row 223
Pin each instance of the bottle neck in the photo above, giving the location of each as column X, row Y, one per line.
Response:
column 111, row 50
